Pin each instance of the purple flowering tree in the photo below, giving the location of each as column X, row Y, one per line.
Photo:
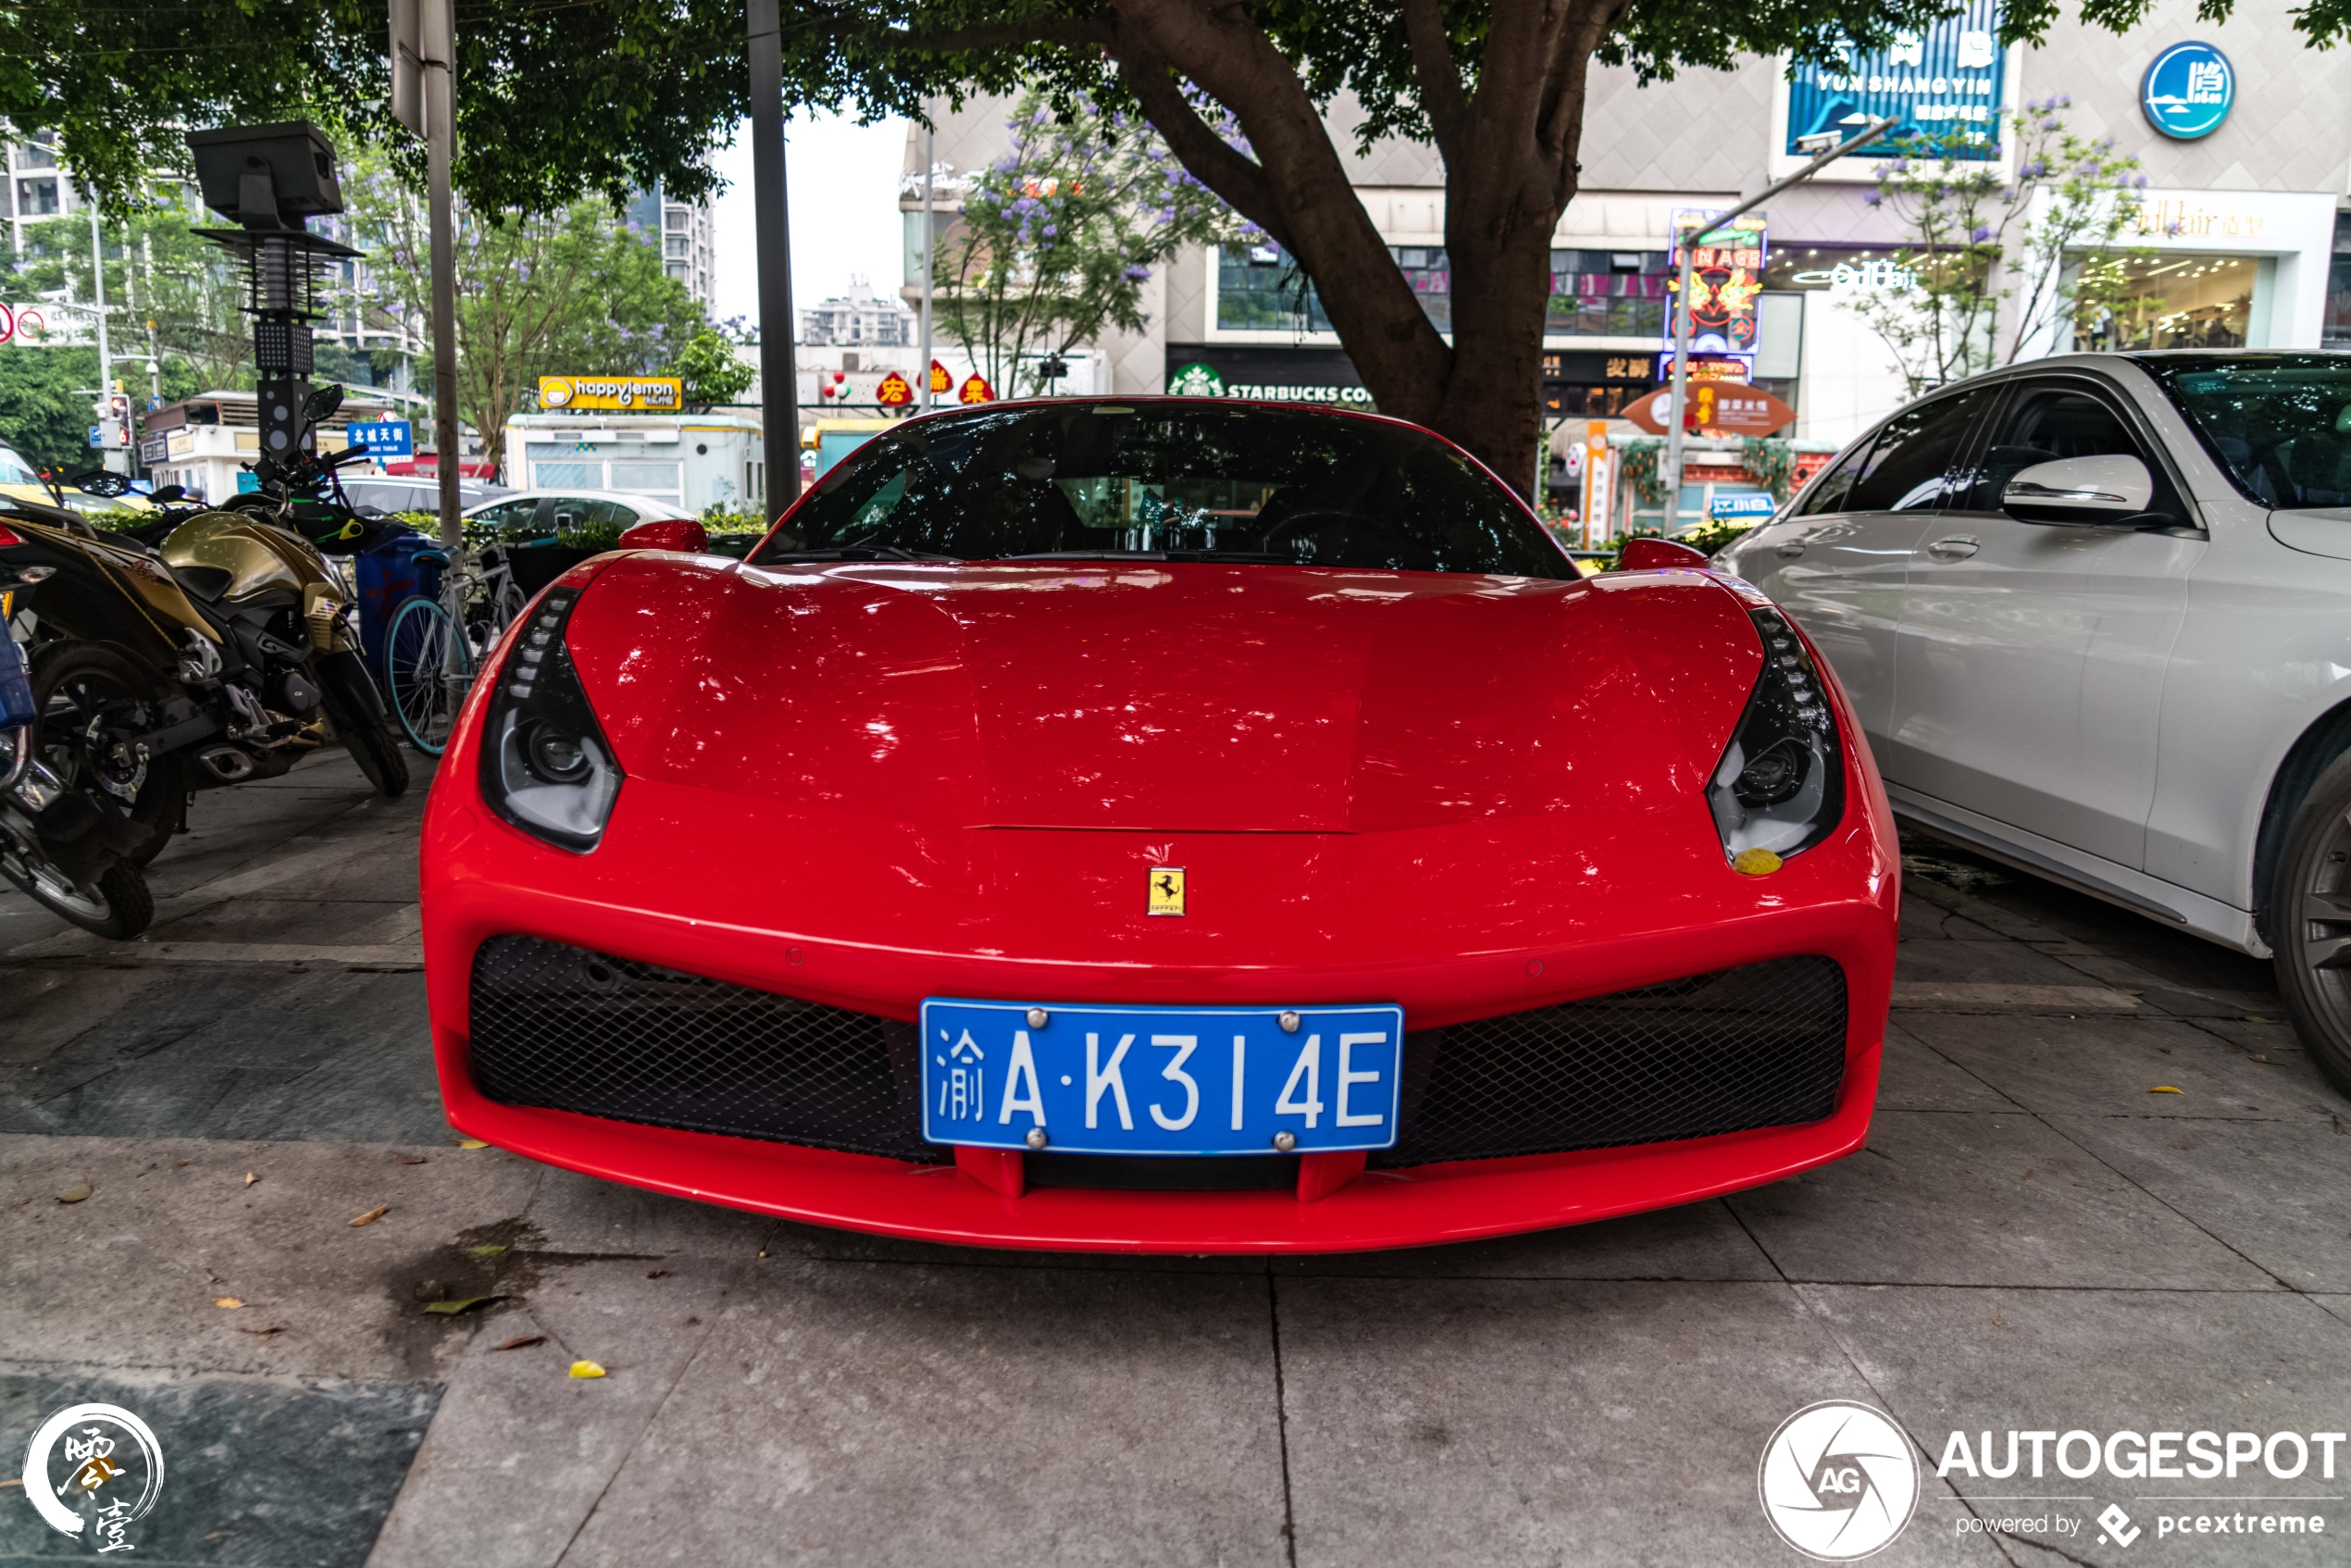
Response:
column 1994, row 269
column 1057, row 238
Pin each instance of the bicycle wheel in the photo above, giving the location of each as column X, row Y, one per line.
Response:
column 426, row 669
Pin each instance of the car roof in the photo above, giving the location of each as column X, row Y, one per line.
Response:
column 646, row 501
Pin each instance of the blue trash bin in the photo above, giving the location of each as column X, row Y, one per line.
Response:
column 389, row 576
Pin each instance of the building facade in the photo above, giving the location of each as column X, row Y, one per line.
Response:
column 861, row 318
column 2242, row 133
column 687, row 237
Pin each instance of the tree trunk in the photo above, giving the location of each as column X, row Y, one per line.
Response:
column 1510, row 171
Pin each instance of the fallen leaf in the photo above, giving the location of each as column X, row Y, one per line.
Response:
column 523, row 1343
column 471, row 1143
column 75, row 1193
column 263, row 1333
column 229, row 1301
column 586, row 1369
column 658, row 1274
column 409, row 1159
column 6, row 1485
column 2263, row 1059
column 451, row 1309
column 486, row 1251
column 251, row 1178
column 2166, row 1089
column 183, row 1164
column 372, row 1215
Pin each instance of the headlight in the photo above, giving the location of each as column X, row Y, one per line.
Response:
column 1781, row 784
column 546, row 764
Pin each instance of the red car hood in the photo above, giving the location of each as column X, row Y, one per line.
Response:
column 1177, row 698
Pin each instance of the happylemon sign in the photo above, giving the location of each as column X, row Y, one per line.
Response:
column 666, row 393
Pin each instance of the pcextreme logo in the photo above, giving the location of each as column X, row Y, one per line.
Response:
column 1839, row 1481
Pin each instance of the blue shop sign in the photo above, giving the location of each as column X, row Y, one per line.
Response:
column 387, row 438
column 2188, row 92
column 1943, row 84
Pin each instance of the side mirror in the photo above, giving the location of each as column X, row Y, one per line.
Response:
column 672, row 533
column 322, row 402
column 168, row 494
column 101, row 481
column 2081, row 491
column 1657, row 554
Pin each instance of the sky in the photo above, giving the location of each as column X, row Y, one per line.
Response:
column 842, row 185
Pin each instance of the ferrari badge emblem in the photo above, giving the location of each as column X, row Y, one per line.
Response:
column 1167, row 895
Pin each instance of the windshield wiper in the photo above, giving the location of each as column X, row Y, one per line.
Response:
column 858, row 553
column 1149, row 556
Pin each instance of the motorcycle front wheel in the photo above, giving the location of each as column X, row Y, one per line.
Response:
column 357, row 712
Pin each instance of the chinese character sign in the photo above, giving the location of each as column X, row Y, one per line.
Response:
column 1945, row 81
column 1727, row 276
column 2188, row 91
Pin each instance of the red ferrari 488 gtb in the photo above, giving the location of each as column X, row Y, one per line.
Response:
column 1166, row 825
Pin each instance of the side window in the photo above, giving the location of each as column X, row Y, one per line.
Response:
column 1837, row 484
column 565, row 513
column 618, row 513
column 510, row 518
column 2045, row 422
column 1916, row 452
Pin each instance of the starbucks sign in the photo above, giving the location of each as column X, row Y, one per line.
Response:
column 1196, row 381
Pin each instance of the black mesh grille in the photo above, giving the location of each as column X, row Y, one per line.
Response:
column 1756, row 1047
column 575, row 1030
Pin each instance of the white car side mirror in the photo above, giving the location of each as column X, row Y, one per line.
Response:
column 2084, row 491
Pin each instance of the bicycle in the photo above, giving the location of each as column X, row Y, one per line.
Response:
column 435, row 645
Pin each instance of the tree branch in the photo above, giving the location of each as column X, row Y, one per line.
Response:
column 1439, row 75
column 1004, row 36
column 1213, row 161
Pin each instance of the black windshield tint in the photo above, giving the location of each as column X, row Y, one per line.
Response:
column 2280, row 424
column 1170, row 479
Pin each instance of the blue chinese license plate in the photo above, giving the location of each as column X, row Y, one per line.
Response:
column 1159, row 1081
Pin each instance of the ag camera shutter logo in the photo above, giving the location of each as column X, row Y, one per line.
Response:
column 1839, row 1481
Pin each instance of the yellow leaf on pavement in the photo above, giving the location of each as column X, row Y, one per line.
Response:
column 75, row 1193
column 372, row 1215
column 586, row 1369
column 2166, row 1089
column 229, row 1301
column 471, row 1143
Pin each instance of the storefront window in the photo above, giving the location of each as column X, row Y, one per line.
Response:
column 2335, row 331
column 1594, row 294
column 2171, row 300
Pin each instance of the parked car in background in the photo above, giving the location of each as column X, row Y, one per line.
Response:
column 397, row 492
column 528, row 513
column 2095, row 616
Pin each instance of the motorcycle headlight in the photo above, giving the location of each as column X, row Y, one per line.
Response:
column 546, row 764
column 1781, row 783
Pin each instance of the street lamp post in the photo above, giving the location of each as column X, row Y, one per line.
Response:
column 1671, row 470
column 928, row 224
column 779, row 416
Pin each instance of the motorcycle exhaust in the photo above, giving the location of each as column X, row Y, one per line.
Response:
column 230, row 764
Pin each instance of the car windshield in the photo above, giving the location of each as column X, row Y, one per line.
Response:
column 2279, row 423
column 1168, row 482
column 15, row 469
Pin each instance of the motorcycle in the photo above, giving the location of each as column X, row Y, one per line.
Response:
column 217, row 649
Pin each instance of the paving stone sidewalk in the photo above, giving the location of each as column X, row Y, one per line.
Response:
column 2033, row 1240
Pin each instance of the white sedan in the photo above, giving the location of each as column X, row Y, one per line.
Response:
column 2095, row 613
column 528, row 512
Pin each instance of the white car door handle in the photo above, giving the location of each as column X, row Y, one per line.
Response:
column 1953, row 549
column 1789, row 549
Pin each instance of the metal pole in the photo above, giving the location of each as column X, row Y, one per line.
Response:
column 1671, row 470
column 930, row 228
column 1672, row 464
column 438, row 35
column 779, row 414
column 106, row 355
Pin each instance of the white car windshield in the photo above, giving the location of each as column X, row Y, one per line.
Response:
column 2280, row 424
